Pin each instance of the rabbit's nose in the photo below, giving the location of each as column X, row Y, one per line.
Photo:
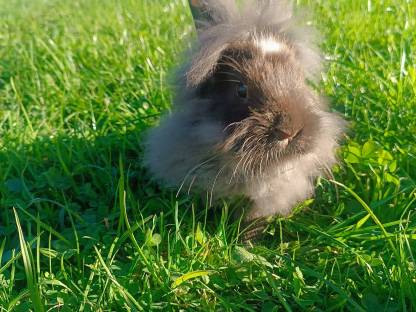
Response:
column 287, row 135
column 286, row 127
column 282, row 128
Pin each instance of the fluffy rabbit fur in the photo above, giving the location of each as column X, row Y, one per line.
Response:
column 245, row 121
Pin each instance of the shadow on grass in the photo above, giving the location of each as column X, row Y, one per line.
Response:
column 54, row 177
column 70, row 186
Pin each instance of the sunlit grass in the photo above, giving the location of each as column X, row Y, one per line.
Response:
column 83, row 228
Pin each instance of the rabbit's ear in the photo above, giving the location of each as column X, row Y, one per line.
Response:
column 208, row 13
column 212, row 20
column 203, row 64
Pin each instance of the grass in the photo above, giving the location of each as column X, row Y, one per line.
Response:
column 83, row 228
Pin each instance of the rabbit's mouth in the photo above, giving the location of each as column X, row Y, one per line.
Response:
column 255, row 148
column 285, row 139
column 296, row 139
column 297, row 135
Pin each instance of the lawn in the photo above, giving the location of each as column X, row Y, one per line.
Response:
column 84, row 228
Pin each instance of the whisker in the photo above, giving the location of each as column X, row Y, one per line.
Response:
column 214, row 182
column 232, row 124
column 192, row 170
column 191, row 184
column 235, row 170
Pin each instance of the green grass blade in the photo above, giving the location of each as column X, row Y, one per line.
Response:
column 32, row 284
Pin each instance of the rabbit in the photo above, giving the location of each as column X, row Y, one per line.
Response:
column 245, row 119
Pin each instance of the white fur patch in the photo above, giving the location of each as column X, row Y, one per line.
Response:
column 270, row 45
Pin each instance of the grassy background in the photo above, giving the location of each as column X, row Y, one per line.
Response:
column 83, row 228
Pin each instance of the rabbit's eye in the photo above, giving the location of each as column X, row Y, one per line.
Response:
column 242, row 90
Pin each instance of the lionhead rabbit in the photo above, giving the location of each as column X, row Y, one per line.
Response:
column 245, row 120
